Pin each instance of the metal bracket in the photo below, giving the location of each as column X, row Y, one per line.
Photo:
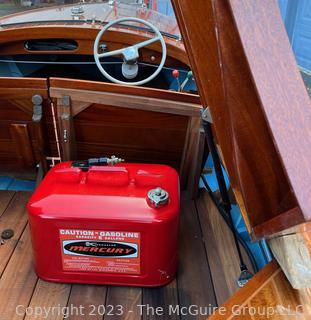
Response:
column 65, row 101
column 65, row 136
column 37, row 108
column 206, row 115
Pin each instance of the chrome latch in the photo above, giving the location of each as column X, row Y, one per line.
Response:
column 37, row 108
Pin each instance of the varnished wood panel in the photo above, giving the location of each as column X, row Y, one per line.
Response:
column 286, row 104
column 258, row 102
column 151, row 130
column 16, row 108
column 21, row 139
column 126, row 101
column 67, row 137
column 134, row 135
column 267, row 296
column 130, row 153
column 130, row 90
column 23, row 84
column 12, row 41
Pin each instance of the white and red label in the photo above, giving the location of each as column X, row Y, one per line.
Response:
column 100, row 251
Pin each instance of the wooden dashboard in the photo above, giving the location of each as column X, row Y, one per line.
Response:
column 139, row 124
column 12, row 42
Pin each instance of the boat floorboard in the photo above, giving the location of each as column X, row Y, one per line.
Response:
column 208, row 268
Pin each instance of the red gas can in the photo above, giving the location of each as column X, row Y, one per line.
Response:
column 106, row 224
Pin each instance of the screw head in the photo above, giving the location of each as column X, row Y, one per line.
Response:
column 7, row 234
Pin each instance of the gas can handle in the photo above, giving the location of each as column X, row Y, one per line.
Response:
column 107, row 169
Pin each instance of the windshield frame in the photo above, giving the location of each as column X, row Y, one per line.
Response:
column 24, row 17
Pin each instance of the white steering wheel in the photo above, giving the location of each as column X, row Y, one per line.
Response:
column 130, row 54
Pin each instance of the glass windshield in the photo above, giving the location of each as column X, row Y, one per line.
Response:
column 159, row 12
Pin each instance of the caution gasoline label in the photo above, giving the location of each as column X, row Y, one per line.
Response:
column 100, row 251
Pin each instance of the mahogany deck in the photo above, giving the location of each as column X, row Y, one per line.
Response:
column 207, row 269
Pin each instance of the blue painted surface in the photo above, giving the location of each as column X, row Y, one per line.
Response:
column 259, row 249
column 5, row 182
column 10, row 183
column 296, row 15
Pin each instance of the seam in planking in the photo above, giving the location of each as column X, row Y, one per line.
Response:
column 68, row 299
column 106, row 296
column 30, row 298
column 205, row 250
column 23, row 231
column 14, row 194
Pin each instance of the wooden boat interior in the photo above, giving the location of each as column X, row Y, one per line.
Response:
column 56, row 105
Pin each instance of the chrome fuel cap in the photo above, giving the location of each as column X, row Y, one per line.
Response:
column 158, row 197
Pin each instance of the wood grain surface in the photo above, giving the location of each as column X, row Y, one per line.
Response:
column 260, row 108
column 18, row 133
column 268, row 295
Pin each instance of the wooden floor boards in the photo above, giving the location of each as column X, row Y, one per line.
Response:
column 199, row 267
column 48, row 295
column 91, row 295
column 160, row 297
column 5, row 198
column 219, row 244
column 130, row 298
column 13, row 217
column 195, row 286
column 18, row 280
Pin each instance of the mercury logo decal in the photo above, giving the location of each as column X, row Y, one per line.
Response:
column 100, row 248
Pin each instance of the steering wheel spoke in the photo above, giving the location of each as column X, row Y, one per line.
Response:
column 146, row 43
column 130, row 54
column 110, row 53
